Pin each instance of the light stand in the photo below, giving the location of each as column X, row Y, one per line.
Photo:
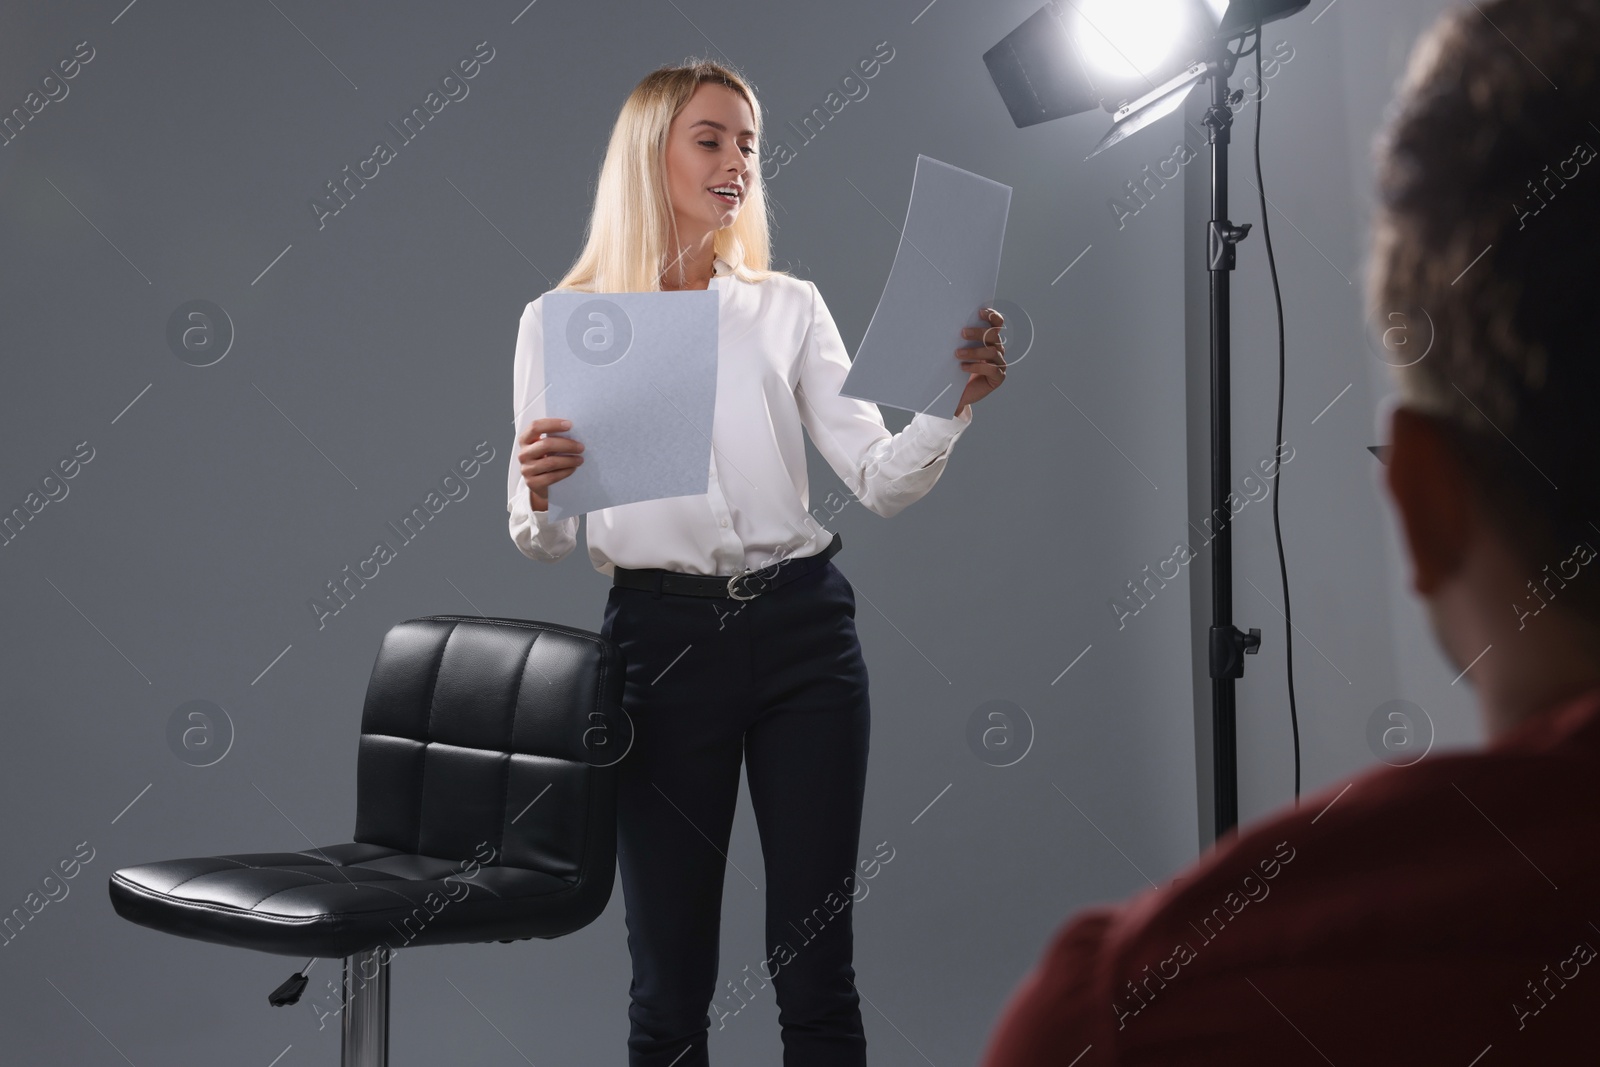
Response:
column 1040, row 75
column 1228, row 645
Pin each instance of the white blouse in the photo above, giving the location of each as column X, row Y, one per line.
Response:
column 780, row 363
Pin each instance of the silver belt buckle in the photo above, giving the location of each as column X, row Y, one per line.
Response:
column 733, row 581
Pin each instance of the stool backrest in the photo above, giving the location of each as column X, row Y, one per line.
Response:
column 493, row 739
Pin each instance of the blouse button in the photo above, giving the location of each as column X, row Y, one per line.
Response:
column 724, row 522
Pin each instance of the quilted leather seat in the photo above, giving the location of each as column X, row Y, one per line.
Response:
column 485, row 809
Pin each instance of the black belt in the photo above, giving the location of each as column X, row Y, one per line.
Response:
column 746, row 585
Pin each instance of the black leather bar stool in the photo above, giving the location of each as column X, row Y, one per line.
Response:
column 485, row 811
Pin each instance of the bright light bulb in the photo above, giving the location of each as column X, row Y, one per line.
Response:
column 1128, row 38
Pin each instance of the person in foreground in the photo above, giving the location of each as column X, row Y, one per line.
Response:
column 1445, row 912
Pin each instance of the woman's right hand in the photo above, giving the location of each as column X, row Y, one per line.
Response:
column 546, row 460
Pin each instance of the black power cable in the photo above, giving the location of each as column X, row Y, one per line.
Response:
column 1277, row 529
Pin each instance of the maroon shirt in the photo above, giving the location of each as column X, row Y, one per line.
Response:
column 1442, row 913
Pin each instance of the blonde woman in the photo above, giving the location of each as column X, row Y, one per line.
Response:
column 738, row 631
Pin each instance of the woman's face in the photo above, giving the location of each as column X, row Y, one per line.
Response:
column 711, row 144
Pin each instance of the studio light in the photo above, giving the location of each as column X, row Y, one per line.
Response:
column 1073, row 56
column 1139, row 59
column 1125, row 40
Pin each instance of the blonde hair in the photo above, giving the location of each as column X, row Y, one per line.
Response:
column 632, row 225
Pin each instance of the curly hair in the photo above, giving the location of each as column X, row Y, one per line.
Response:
column 1488, row 224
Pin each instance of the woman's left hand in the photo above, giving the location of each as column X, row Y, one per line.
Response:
column 987, row 364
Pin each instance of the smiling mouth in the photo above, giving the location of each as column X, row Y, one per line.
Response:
column 723, row 197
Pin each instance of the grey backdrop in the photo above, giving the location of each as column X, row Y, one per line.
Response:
column 374, row 351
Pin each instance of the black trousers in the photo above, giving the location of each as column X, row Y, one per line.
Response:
column 778, row 683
